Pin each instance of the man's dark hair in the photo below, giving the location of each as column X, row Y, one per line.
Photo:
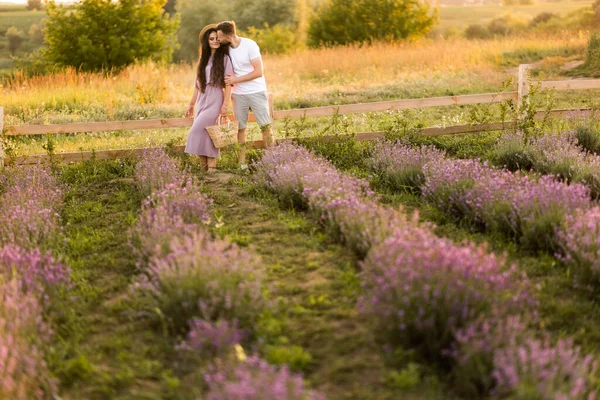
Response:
column 227, row 27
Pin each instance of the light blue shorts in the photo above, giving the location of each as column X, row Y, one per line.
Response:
column 257, row 102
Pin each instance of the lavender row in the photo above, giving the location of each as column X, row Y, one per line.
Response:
column 29, row 278
column 422, row 291
column 210, row 289
column 29, row 207
column 541, row 212
column 559, row 154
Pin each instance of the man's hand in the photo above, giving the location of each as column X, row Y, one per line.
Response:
column 230, row 80
column 190, row 111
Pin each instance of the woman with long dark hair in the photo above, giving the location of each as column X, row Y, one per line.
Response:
column 211, row 96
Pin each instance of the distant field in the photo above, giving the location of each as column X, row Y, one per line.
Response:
column 18, row 16
column 460, row 17
column 11, row 7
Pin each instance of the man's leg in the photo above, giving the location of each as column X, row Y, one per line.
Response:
column 267, row 135
column 241, row 106
column 260, row 108
column 242, row 142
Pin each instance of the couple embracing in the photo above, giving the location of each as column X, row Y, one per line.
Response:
column 229, row 66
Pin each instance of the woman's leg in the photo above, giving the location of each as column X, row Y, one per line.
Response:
column 211, row 164
column 203, row 163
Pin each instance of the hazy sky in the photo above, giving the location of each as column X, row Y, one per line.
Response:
column 25, row 1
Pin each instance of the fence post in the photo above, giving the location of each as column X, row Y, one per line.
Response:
column 522, row 83
column 1, row 138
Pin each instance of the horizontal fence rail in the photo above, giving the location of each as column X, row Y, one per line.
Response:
column 277, row 115
column 325, row 111
column 573, row 84
column 259, row 144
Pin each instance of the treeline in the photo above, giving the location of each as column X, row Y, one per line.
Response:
column 108, row 35
column 545, row 22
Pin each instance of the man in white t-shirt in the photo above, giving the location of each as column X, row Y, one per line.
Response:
column 249, row 86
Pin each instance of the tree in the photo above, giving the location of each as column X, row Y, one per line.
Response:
column 15, row 39
column 106, row 35
column 196, row 14
column 592, row 54
column 170, row 7
column 257, row 13
column 357, row 21
column 34, row 4
column 36, row 34
column 596, row 8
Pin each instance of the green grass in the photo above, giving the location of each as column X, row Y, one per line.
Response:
column 460, row 17
column 102, row 349
column 316, row 282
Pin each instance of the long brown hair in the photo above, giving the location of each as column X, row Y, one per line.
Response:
column 217, row 75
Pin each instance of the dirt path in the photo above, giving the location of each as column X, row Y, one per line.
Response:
column 317, row 280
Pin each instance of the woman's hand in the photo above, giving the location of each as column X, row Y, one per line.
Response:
column 190, row 111
column 224, row 110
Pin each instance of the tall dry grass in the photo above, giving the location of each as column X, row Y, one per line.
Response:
column 304, row 78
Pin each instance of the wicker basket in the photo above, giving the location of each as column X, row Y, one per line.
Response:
column 223, row 134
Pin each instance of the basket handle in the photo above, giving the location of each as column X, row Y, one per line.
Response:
column 220, row 119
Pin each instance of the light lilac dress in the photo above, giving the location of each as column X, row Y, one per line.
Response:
column 207, row 109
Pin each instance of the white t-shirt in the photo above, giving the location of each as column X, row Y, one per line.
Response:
column 241, row 58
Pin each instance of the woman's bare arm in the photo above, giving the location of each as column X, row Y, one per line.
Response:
column 190, row 110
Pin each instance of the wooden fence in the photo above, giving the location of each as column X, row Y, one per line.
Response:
column 517, row 96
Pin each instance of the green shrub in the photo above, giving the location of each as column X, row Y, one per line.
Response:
column 512, row 153
column 574, row 21
column 541, row 18
column 78, row 36
column 278, row 39
column 15, row 39
column 506, row 25
column 346, row 22
column 293, row 356
column 36, row 34
column 476, row 31
column 588, row 138
column 592, row 54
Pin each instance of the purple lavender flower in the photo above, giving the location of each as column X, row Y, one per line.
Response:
column 37, row 273
column 24, row 374
column 210, row 338
column 401, row 165
column 29, row 207
column 155, row 170
column 579, row 242
column 174, row 211
column 205, row 279
column 255, row 379
column 421, row 289
column 534, row 368
column 527, row 208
